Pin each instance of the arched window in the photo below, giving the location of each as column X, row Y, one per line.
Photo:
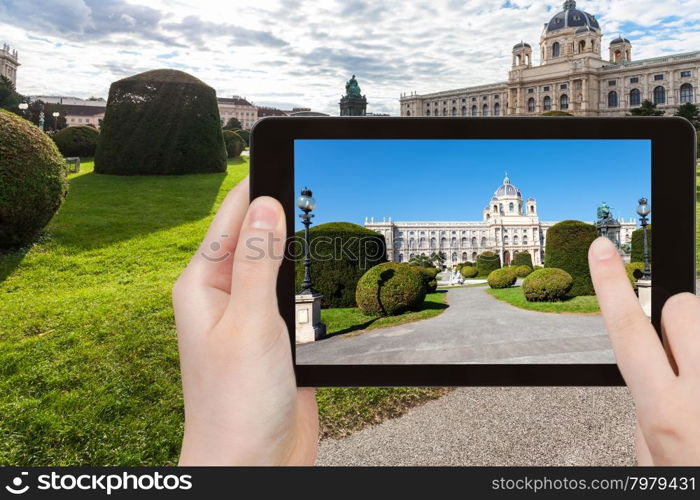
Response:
column 515, row 239
column 411, row 256
column 427, row 113
column 474, row 241
column 464, row 256
column 497, row 109
column 443, row 242
column 531, row 104
column 464, row 111
column 454, row 111
column 400, row 257
column 421, row 243
column 444, row 111
column 524, row 239
column 473, row 256
column 454, row 242
column 411, row 243
column 474, row 111
column 500, row 207
column 581, row 46
column 659, row 95
column 454, row 256
column 556, row 49
column 505, row 239
column 485, row 110
column 635, row 97
column 495, row 208
column 612, row 99
column 547, row 103
column 483, row 241
column 433, row 242
column 511, row 207
column 564, row 102
column 686, row 93
column 464, row 241
column 408, row 113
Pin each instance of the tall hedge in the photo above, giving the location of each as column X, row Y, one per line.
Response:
column 522, row 259
column 32, row 180
column 341, row 253
column 637, row 252
column 77, row 141
column 487, row 262
column 161, row 122
column 234, row 143
column 567, row 248
column 245, row 135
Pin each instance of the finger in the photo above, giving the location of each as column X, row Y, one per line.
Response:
column 680, row 322
column 638, row 350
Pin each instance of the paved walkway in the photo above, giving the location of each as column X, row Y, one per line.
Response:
column 475, row 328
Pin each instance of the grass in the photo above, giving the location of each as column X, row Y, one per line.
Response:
column 345, row 320
column 585, row 304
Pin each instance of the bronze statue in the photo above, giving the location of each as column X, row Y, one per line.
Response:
column 604, row 212
column 352, row 87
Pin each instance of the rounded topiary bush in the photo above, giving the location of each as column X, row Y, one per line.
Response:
column 567, row 248
column 234, row 144
column 245, row 135
column 341, row 253
column 32, row 180
column 547, row 285
column 77, row 141
column 634, row 272
column 522, row 271
column 389, row 289
column 502, row 278
column 522, row 259
column 486, row 262
column 469, row 271
column 161, row 122
column 637, row 250
column 429, row 275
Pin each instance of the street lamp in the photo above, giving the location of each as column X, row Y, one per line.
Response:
column 306, row 204
column 24, row 106
column 55, row 115
column 643, row 211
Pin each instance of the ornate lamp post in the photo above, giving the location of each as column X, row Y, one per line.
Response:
column 55, row 115
column 643, row 211
column 23, row 106
column 306, row 204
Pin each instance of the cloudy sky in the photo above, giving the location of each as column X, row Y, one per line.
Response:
column 288, row 53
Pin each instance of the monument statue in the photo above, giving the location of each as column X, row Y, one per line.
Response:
column 352, row 87
column 607, row 225
column 604, row 212
column 353, row 103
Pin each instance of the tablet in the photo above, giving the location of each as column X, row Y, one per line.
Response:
column 452, row 251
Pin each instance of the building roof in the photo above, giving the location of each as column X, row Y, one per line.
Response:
column 507, row 189
column 266, row 111
column 521, row 45
column 571, row 17
column 235, row 101
column 619, row 39
column 80, row 110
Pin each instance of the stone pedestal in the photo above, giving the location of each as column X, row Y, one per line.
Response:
column 308, row 318
column 644, row 291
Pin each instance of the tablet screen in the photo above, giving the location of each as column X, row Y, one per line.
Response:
column 462, row 251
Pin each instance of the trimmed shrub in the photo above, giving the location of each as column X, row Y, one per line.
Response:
column 634, row 272
column 522, row 271
column 459, row 266
column 522, row 259
column 77, row 141
column 234, row 144
column 502, row 278
column 488, row 261
column 535, row 268
column 161, row 122
column 556, row 112
column 637, row 251
column 245, row 135
column 429, row 276
column 355, row 250
column 389, row 289
column 567, row 249
column 32, row 180
column 469, row 272
column 547, row 285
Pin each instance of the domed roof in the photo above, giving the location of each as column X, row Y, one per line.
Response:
column 507, row 189
column 585, row 29
column 619, row 39
column 521, row 45
column 571, row 17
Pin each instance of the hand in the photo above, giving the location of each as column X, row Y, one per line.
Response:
column 664, row 379
column 242, row 406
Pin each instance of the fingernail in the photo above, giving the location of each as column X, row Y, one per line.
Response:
column 263, row 215
column 602, row 248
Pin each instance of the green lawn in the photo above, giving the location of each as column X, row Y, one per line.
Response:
column 586, row 304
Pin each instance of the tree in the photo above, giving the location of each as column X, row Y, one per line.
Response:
column 647, row 108
column 690, row 112
column 421, row 261
column 9, row 98
column 438, row 259
column 233, row 124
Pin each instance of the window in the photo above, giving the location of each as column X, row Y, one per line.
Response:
column 634, row 79
column 515, row 239
column 484, row 98
column 612, row 83
column 454, row 111
column 525, row 239
column 545, row 89
column 612, row 99
column 556, row 49
column 427, row 113
column 635, row 97
column 658, row 77
column 563, row 86
column 547, row 103
column 496, row 109
column 444, row 111
column 464, row 243
column 659, row 95
column 408, row 113
column 511, row 207
column 454, row 242
column 531, row 104
column 473, row 99
column 474, row 241
column 685, row 74
column 464, row 100
column 464, row 110
column 485, row 111
column 564, row 102
column 505, row 240
column 686, row 93
column 432, row 242
column 474, row 111
column 530, row 91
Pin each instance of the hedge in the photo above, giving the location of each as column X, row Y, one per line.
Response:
column 469, row 271
column 637, row 251
column 522, row 271
column 522, row 259
column 567, row 248
column 488, row 261
column 429, row 276
column 388, row 289
column 337, row 278
column 502, row 278
column 634, row 272
column 32, row 180
column 547, row 285
column 77, row 141
column 161, row 122
column 234, row 144
column 245, row 135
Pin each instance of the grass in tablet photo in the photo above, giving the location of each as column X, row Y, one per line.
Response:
column 583, row 304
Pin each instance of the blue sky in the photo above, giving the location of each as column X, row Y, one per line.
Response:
column 454, row 179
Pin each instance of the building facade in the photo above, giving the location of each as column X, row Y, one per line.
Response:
column 80, row 114
column 572, row 76
column 239, row 108
column 9, row 63
column 509, row 225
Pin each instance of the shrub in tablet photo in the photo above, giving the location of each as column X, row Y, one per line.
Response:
column 634, row 272
column 547, row 285
column 352, row 250
column 469, row 272
column 486, row 262
column 389, row 289
column 234, row 143
column 637, row 251
column 502, row 278
column 522, row 259
column 32, row 180
column 567, row 248
column 429, row 275
column 522, row 271
column 161, row 122
column 77, row 141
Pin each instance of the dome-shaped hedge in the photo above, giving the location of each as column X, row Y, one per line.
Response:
column 429, row 275
column 390, row 288
column 567, row 248
column 160, row 122
column 522, row 271
column 547, row 285
column 469, row 271
column 487, row 261
column 354, row 248
column 32, row 180
column 77, row 141
column 502, row 278
column 234, row 143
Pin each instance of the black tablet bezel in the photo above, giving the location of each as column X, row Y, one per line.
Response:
column 673, row 195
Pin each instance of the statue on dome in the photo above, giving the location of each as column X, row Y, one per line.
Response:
column 352, row 87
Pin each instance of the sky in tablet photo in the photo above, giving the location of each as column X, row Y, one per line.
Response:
column 453, row 180
column 288, row 53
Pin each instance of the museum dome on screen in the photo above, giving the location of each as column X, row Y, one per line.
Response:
column 571, row 17
column 507, row 189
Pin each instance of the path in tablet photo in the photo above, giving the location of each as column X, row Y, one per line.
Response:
column 475, row 328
